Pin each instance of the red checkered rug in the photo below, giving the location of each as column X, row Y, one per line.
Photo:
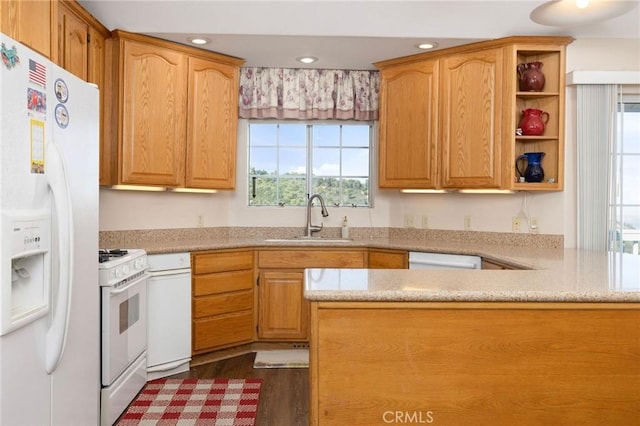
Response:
column 185, row 402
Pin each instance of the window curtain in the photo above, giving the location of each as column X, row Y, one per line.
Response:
column 596, row 138
column 304, row 94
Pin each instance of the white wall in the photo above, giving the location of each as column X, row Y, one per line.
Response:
column 556, row 213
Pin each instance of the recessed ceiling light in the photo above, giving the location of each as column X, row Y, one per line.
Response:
column 199, row 40
column 427, row 45
column 307, row 59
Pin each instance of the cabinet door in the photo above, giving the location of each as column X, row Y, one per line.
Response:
column 211, row 126
column 388, row 259
column 96, row 58
column 73, row 36
column 283, row 311
column 408, row 126
column 154, row 88
column 470, row 119
column 28, row 22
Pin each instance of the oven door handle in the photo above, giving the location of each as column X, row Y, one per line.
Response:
column 115, row 291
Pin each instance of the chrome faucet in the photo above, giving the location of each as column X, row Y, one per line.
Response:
column 313, row 228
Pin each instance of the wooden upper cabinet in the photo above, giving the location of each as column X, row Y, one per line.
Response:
column 73, row 41
column 176, row 110
column 211, row 125
column 28, row 22
column 448, row 118
column 471, row 117
column 408, row 126
column 154, row 90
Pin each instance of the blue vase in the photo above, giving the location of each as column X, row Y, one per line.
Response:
column 533, row 172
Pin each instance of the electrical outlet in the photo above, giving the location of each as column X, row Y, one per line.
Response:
column 425, row 221
column 467, row 223
column 533, row 225
column 200, row 220
column 409, row 221
column 515, row 224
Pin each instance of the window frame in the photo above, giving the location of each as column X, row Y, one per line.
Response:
column 309, row 156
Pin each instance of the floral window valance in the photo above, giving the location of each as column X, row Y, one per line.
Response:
column 291, row 93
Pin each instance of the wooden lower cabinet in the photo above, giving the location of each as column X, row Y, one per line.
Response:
column 283, row 312
column 226, row 308
column 388, row 259
column 476, row 364
column 223, row 299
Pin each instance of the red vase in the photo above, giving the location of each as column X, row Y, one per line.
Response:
column 530, row 77
column 533, row 122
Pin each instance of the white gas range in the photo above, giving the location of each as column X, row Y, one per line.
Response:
column 122, row 275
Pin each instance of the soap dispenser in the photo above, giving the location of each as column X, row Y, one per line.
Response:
column 345, row 228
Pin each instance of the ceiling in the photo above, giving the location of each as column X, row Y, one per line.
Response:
column 342, row 34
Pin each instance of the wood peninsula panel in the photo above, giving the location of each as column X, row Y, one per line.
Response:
column 482, row 364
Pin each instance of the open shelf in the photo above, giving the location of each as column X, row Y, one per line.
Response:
column 550, row 100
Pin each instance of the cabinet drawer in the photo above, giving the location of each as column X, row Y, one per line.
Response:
column 222, row 282
column 222, row 304
column 222, row 330
column 222, row 261
column 311, row 259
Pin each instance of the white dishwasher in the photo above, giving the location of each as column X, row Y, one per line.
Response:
column 421, row 260
column 168, row 314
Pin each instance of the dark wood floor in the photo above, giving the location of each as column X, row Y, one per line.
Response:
column 284, row 396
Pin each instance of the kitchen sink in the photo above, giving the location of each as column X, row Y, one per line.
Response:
column 305, row 240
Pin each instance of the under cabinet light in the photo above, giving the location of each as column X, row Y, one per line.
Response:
column 160, row 189
column 137, row 188
column 423, row 191
column 486, row 191
column 193, row 190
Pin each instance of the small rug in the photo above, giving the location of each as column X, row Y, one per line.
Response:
column 185, row 402
column 287, row 358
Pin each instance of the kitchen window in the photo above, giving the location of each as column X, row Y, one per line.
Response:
column 624, row 204
column 290, row 160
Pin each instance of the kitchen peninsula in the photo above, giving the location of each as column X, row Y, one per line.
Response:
column 555, row 340
column 557, row 345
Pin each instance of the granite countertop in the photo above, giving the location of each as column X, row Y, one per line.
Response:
column 576, row 276
column 548, row 272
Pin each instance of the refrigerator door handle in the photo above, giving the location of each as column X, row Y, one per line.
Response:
column 58, row 182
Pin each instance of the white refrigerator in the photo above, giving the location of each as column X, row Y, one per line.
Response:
column 49, row 294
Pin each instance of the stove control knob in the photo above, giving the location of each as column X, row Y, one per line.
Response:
column 118, row 272
column 138, row 264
